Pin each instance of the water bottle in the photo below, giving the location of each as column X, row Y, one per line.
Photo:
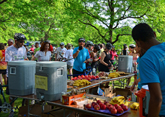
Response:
column 133, row 97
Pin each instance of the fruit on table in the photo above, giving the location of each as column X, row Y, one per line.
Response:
column 114, row 75
column 135, row 106
column 125, row 108
column 94, row 103
column 98, row 101
column 97, row 107
column 88, row 106
column 117, row 100
column 103, row 107
column 83, row 82
column 113, row 110
column 120, row 110
column 87, row 77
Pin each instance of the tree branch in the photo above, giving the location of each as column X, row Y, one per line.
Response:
column 3, row 1
column 117, row 37
column 93, row 27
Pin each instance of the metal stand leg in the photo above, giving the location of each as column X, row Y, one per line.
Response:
column 28, row 109
column 64, row 113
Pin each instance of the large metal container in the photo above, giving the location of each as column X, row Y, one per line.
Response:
column 21, row 77
column 125, row 63
column 50, row 80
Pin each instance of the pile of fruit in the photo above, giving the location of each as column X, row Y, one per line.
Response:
column 134, row 106
column 118, row 100
column 114, row 109
column 82, row 82
column 114, row 75
column 87, row 77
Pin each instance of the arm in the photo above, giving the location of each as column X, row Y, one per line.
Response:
column 35, row 56
column 102, row 59
column 155, row 99
column 76, row 54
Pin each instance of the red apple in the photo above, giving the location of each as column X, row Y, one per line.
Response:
column 88, row 106
column 97, row 76
column 116, row 105
column 122, row 105
column 103, row 107
column 105, row 102
column 125, row 108
column 86, row 76
column 98, row 101
column 113, row 110
column 75, row 78
column 119, row 110
column 97, row 107
column 94, row 103
column 82, row 76
column 100, row 104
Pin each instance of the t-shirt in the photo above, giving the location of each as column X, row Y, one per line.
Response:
column 113, row 54
column 51, row 48
column 32, row 49
column 69, row 57
column 15, row 54
column 152, row 66
column 40, row 55
column 83, row 55
column 60, row 51
column 3, row 64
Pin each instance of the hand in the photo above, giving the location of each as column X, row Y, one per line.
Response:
column 80, row 47
column 132, row 88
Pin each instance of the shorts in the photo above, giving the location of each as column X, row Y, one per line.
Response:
column 69, row 66
column 3, row 72
column 77, row 73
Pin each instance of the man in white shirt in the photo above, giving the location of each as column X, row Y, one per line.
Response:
column 60, row 52
column 15, row 52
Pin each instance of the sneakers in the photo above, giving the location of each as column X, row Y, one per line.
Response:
column 11, row 114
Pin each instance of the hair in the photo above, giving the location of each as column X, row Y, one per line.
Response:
column 69, row 46
column 101, row 45
column 142, row 32
column 43, row 46
column 2, row 47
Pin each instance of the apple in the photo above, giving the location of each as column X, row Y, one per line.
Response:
column 113, row 111
column 75, row 78
column 100, row 104
column 94, row 103
column 119, row 110
column 103, row 107
column 86, row 76
column 116, row 105
column 125, row 108
column 105, row 102
column 122, row 105
column 98, row 101
column 97, row 76
column 82, row 76
column 97, row 107
column 88, row 106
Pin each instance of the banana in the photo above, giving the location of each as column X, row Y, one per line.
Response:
column 81, row 82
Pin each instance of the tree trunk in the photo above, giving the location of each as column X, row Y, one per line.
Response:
column 111, row 20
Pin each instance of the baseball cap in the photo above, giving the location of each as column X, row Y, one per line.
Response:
column 62, row 43
column 132, row 45
column 81, row 40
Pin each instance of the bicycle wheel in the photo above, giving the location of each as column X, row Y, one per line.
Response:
column 0, row 105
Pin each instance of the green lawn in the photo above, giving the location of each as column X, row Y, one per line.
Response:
column 18, row 102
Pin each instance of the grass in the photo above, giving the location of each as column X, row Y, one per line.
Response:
column 18, row 102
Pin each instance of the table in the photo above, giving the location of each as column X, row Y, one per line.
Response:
column 101, row 81
column 131, row 113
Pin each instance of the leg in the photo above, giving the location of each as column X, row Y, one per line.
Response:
column 70, row 72
column 5, row 78
column 1, row 79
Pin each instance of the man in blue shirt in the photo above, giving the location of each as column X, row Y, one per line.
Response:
column 152, row 66
column 81, row 56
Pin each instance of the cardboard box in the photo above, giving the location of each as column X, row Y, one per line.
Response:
column 122, row 92
column 68, row 100
column 35, row 109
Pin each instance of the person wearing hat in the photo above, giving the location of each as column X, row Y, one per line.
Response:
column 81, row 56
column 105, row 63
column 60, row 52
column 124, row 51
column 16, row 52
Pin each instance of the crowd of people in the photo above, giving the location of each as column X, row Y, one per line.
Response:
column 148, row 60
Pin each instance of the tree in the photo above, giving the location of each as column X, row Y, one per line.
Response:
column 111, row 14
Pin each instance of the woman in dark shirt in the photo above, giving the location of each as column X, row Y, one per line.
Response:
column 105, row 63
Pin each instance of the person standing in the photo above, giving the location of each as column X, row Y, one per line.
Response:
column 124, row 51
column 69, row 58
column 113, row 54
column 3, row 64
column 81, row 56
column 37, row 48
column 15, row 52
column 44, row 54
column 105, row 63
column 152, row 66
column 60, row 52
